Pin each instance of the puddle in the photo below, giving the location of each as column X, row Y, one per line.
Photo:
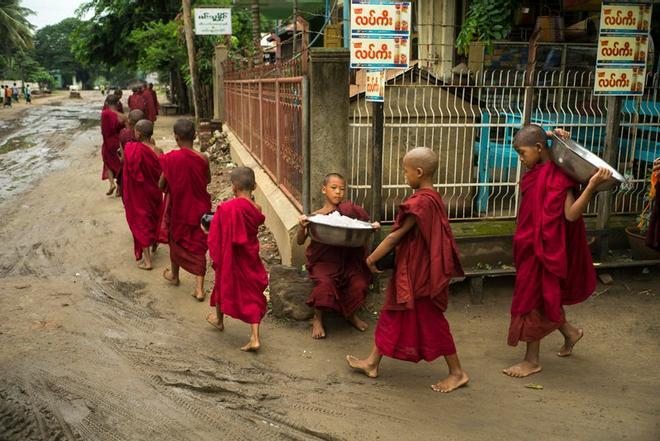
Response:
column 31, row 145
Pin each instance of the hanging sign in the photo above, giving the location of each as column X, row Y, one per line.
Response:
column 212, row 21
column 380, row 34
column 622, row 48
column 619, row 80
column 382, row 53
column 626, row 50
column 625, row 18
column 375, row 85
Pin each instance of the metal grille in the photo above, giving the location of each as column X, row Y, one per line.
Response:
column 470, row 121
column 264, row 109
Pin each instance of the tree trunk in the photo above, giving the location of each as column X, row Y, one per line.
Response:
column 190, row 44
column 256, row 31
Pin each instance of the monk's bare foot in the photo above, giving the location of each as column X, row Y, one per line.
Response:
column 569, row 342
column 252, row 346
column 318, row 331
column 112, row 190
column 358, row 323
column 144, row 266
column 363, row 366
column 199, row 295
column 213, row 319
column 522, row 369
column 167, row 274
column 451, row 383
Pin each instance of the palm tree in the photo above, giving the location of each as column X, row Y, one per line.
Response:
column 14, row 27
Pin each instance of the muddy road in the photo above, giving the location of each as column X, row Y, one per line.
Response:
column 91, row 348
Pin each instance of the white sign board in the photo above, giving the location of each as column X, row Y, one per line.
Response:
column 375, row 86
column 380, row 34
column 212, row 21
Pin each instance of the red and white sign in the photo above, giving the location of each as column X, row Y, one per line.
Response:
column 375, row 85
column 380, row 18
column 616, row 49
column 625, row 18
column 382, row 53
column 619, row 80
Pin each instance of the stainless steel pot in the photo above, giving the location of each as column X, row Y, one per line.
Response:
column 581, row 164
column 339, row 236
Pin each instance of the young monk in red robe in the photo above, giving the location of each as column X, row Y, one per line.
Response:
column 341, row 278
column 153, row 93
column 120, row 107
column 111, row 124
column 125, row 136
column 143, row 198
column 550, row 238
column 136, row 100
column 240, row 276
column 412, row 325
column 150, row 109
column 185, row 176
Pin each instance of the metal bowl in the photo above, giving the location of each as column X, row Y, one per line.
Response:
column 339, row 236
column 581, row 164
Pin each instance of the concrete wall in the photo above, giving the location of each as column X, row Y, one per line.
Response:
column 281, row 214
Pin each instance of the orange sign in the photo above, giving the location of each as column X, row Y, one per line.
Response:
column 379, row 52
column 375, row 85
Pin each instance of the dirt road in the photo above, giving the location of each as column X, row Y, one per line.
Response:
column 91, row 348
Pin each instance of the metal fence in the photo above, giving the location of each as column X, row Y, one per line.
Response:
column 264, row 109
column 470, row 121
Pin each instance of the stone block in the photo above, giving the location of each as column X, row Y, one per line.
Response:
column 289, row 289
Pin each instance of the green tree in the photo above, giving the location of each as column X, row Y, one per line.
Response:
column 15, row 28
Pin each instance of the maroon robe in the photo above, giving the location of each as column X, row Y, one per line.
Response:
column 653, row 233
column 155, row 96
column 412, row 325
column 125, row 136
column 110, row 128
column 137, row 102
column 150, row 104
column 240, row 276
column 541, row 254
column 143, row 199
column 186, row 172
column 341, row 277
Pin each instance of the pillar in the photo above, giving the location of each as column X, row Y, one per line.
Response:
column 219, row 57
column 328, row 116
column 436, row 43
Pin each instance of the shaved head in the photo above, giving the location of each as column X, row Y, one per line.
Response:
column 423, row 158
column 529, row 136
column 329, row 176
column 111, row 100
column 185, row 129
column 145, row 128
column 134, row 116
column 243, row 178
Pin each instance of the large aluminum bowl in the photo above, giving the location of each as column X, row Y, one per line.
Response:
column 581, row 164
column 339, row 236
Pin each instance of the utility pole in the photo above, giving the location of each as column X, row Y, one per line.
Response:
column 190, row 44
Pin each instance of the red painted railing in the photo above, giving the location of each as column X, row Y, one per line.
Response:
column 263, row 107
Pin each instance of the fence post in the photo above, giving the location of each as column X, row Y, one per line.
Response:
column 306, row 199
column 609, row 155
column 529, row 78
column 377, row 127
column 261, row 122
column 277, row 131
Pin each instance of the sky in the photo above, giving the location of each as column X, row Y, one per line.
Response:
column 48, row 12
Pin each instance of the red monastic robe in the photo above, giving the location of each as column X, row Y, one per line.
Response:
column 110, row 128
column 653, row 233
column 240, row 276
column 341, row 277
column 186, row 172
column 155, row 96
column 412, row 325
column 150, row 111
column 143, row 198
column 126, row 135
column 541, row 254
column 137, row 102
